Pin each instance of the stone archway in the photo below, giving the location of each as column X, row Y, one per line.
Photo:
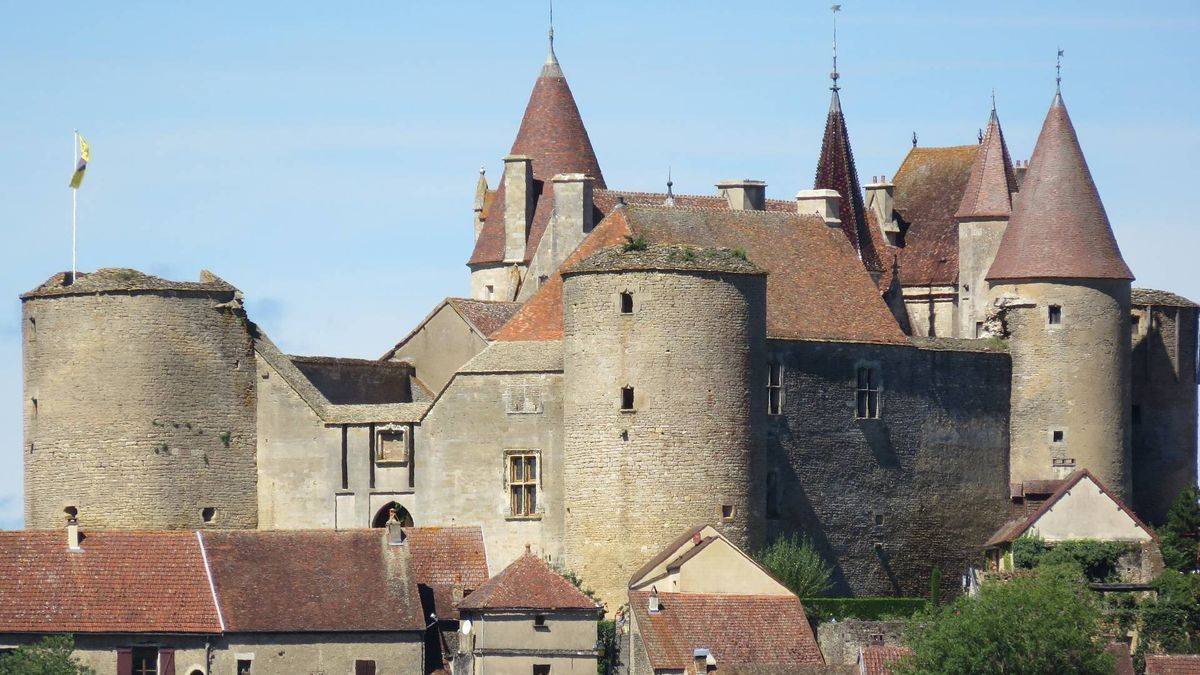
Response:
column 402, row 515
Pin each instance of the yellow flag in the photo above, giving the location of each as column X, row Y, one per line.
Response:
column 85, row 154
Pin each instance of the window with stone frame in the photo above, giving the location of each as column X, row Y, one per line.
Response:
column 392, row 447
column 868, row 393
column 775, row 389
column 522, row 478
column 523, row 399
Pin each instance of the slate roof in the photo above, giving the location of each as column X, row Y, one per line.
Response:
column 313, row 581
column 1173, row 664
column 487, row 316
column 1149, row 296
column 816, row 287
column 835, row 171
column 443, row 557
column 677, row 258
column 124, row 280
column 357, row 381
column 552, row 134
column 989, row 189
column 929, row 188
column 1059, row 228
column 528, row 583
column 740, row 631
column 121, row 582
column 878, row 659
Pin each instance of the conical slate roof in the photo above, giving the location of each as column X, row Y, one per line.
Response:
column 1059, row 228
column 991, row 184
column 835, row 171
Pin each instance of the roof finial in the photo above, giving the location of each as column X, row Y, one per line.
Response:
column 914, row 139
column 1058, row 72
column 670, row 200
column 482, row 169
column 834, row 75
column 550, row 57
column 980, row 136
column 993, row 100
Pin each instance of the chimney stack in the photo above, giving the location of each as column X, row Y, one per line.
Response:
column 824, row 203
column 700, row 660
column 72, row 530
column 744, row 195
column 395, row 533
column 519, row 201
column 652, row 605
column 481, row 190
column 881, row 199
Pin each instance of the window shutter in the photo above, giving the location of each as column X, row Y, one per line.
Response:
column 166, row 662
column 124, row 662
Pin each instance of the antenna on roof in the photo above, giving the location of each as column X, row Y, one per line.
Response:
column 670, row 200
column 1058, row 72
column 834, row 75
column 914, row 139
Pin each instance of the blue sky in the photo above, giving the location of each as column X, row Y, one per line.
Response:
column 323, row 156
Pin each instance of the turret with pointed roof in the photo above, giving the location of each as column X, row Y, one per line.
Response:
column 992, row 182
column 835, row 171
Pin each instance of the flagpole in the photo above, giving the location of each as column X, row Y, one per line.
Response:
column 74, row 194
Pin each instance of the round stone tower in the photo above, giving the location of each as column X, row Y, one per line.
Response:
column 664, row 380
column 139, row 403
column 1060, row 290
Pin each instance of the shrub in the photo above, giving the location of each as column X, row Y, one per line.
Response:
column 796, row 562
column 1096, row 559
column 637, row 243
column 1178, row 535
column 607, row 637
column 53, row 655
column 1043, row 623
column 867, row 609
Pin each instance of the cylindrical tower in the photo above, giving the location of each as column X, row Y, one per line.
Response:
column 664, row 377
column 139, row 403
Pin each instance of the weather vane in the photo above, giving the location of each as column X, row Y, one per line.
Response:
column 834, row 75
column 1058, row 71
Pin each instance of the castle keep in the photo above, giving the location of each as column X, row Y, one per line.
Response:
column 889, row 369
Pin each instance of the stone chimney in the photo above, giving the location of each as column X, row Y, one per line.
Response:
column 481, row 189
column 72, row 532
column 700, row 659
column 456, row 591
column 744, row 195
column 652, row 604
column 395, row 533
column 573, row 217
column 881, row 199
column 824, row 203
column 519, row 201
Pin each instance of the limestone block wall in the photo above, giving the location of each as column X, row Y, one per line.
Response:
column 978, row 242
column 1164, row 407
column 1072, row 378
column 887, row 500
column 692, row 350
column 932, row 310
column 498, row 281
column 139, row 411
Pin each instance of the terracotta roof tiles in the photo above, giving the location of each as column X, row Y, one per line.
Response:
column 929, row 188
column 836, row 171
column 1173, row 664
column 878, row 659
column 487, row 316
column 445, row 557
column 989, row 189
column 528, row 583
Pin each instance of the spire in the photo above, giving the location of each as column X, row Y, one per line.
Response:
column 1059, row 228
column 990, row 186
column 1058, row 75
column 551, row 59
column 833, row 75
column 670, row 200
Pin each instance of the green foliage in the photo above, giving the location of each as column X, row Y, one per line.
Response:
column 226, row 437
column 53, row 655
column 1043, row 623
column 935, row 586
column 1096, row 559
column 868, row 609
column 607, row 637
column 795, row 561
column 572, row 577
column 1171, row 622
column 1178, row 537
column 740, row 253
column 637, row 243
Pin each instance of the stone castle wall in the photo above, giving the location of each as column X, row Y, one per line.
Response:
column 144, row 414
column 1073, row 377
column 635, row 479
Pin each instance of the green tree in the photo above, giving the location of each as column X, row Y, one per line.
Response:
column 796, row 562
column 1178, row 537
column 1042, row 623
column 53, row 655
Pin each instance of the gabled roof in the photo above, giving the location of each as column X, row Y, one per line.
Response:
column 120, row 582
column 1013, row 529
column 989, row 188
column 671, row 551
column 1059, row 228
column 929, row 187
column 445, row 557
column 553, row 136
column 835, row 171
column 1172, row 664
column 878, row 659
column 740, row 631
column 313, row 581
column 816, row 287
column 528, row 583
column 483, row 317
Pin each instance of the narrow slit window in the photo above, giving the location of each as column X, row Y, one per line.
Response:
column 626, row 398
column 627, row 303
column 868, row 393
column 1054, row 315
column 490, row 291
column 345, row 459
column 775, row 389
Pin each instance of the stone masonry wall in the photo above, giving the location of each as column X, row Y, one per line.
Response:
column 145, row 411
column 635, row 479
column 978, row 242
column 886, row 500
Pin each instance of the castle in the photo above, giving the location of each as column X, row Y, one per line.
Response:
column 886, row 370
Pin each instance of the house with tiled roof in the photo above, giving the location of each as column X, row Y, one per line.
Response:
column 703, row 604
column 1172, row 664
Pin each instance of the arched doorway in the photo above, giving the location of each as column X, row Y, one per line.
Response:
column 402, row 515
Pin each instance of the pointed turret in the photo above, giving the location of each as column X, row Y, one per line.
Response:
column 989, row 189
column 835, row 171
column 1059, row 229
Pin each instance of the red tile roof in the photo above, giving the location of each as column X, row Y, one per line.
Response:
column 313, row 581
column 835, row 171
column 487, row 316
column 990, row 187
column 553, row 136
column 738, row 630
column 528, row 583
column 929, row 187
column 1173, row 664
column 816, row 288
column 1059, row 228
column 445, row 557
column 121, row 582
column 878, row 659
column 1122, row 657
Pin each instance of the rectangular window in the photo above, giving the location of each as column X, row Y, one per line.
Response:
column 489, row 292
column 775, row 389
column 392, row 447
column 1057, row 435
column 364, row 667
column 539, row 621
column 522, row 472
column 867, row 401
column 1054, row 315
column 541, row 669
column 978, row 329
column 145, row 661
column 627, row 303
column 243, row 666
column 371, row 450
column 523, row 399
column 626, row 398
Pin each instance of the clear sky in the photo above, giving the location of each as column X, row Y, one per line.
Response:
column 323, row 156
